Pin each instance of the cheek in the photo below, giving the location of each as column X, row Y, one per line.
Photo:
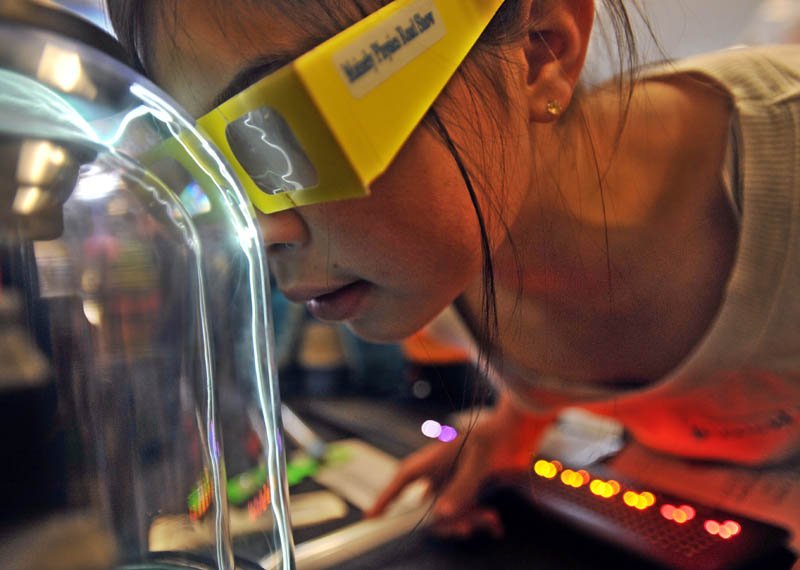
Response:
column 416, row 236
column 410, row 232
column 426, row 210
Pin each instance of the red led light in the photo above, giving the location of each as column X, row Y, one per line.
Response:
column 724, row 530
column 689, row 511
column 679, row 516
column 667, row 511
column 733, row 527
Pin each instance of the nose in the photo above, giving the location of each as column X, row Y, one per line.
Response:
column 281, row 230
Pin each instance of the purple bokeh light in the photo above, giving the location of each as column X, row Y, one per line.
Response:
column 448, row 434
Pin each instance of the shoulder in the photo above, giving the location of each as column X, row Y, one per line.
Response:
column 767, row 73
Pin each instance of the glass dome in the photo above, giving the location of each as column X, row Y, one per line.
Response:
column 135, row 315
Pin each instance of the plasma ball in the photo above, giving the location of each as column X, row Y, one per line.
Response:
column 431, row 428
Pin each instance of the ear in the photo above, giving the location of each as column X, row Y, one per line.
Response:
column 555, row 50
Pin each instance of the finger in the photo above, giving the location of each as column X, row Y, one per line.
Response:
column 410, row 470
column 425, row 462
column 488, row 520
column 403, row 478
column 457, row 527
column 459, row 494
column 468, row 523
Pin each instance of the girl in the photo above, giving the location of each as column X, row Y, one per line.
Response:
column 632, row 248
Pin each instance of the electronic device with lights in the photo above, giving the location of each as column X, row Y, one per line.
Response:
column 670, row 531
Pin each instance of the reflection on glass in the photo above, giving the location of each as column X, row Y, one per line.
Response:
column 143, row 272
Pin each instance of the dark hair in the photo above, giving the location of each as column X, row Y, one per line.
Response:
column 132, row 21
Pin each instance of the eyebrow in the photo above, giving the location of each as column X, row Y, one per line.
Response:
column 254, row 70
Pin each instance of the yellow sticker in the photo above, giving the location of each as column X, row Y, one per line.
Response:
column 377, row 55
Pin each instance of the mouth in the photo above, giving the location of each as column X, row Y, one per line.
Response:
column 340, row 304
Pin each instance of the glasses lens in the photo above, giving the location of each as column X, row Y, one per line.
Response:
column 269, row 152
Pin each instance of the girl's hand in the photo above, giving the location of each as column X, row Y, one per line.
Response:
column 503, row 441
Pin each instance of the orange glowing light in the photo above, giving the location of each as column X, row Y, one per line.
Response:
column 667, row 511
column 567, row 476
column 724, row 532
column 733, row 527
column 679, row 516
column 690, row 512
column 584, row 475
column 712, row 527
column 541, row 467
column 630, row 498
column 649, row 498
column 615, row 487
column 600, row 488
column 557, row 465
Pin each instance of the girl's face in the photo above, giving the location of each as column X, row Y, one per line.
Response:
column 388, row 263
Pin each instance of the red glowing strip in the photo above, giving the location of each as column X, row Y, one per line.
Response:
column 259, row 504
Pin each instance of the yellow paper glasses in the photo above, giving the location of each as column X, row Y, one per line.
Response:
column 325, row 126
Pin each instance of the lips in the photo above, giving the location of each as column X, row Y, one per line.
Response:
column 336, row 305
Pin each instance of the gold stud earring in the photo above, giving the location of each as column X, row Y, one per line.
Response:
column 553, row 108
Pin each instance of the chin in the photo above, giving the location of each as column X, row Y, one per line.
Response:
column 380, row 331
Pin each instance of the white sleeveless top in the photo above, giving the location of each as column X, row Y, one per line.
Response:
column 736, row 396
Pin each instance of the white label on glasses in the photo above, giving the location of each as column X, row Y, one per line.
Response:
column 381, row 52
